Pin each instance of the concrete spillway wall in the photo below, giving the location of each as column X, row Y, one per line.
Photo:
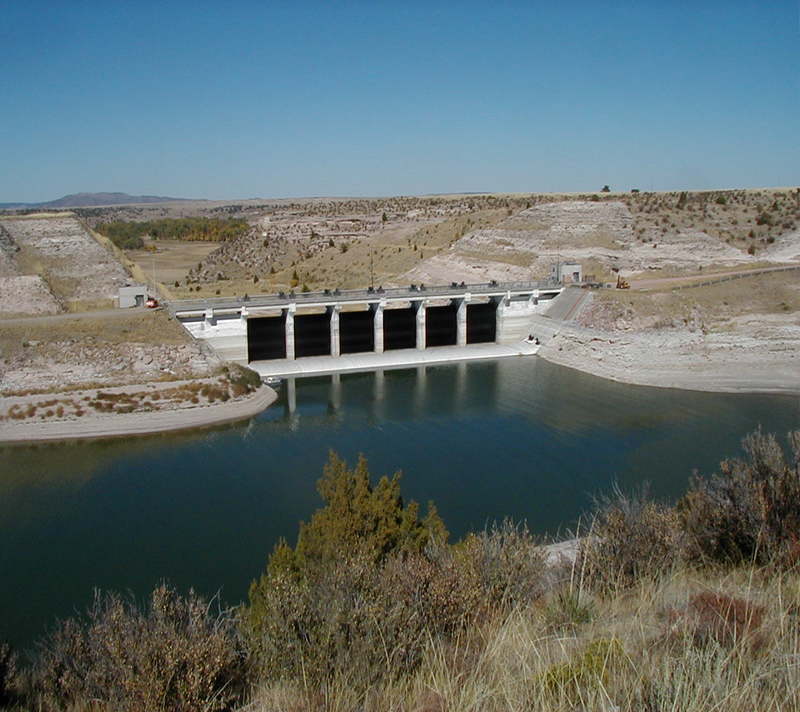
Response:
column 245, row 335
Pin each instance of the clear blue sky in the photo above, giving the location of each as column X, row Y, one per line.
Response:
column 235, row 100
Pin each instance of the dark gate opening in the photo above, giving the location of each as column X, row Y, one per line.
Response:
column 266, row 338
column 356, row 332
column 312, row 335
column 481, row 323
column 440, row 326
column 399, row 329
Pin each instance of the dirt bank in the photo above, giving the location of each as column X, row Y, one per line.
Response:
column 763, row 355
column 109, row 425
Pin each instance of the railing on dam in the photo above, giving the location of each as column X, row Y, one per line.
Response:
column 337, row 296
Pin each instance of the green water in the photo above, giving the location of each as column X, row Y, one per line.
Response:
column 518, row 437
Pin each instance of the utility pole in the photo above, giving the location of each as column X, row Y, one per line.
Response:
column 371, row 268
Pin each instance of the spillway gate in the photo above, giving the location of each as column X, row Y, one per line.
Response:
column 334, row 323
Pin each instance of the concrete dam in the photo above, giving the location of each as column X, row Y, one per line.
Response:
column 322, row 332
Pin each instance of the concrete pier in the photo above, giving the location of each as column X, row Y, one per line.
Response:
column 290, row 312
column 333, row 315
column 420, row 321
column 461, row 320
column 377, row 325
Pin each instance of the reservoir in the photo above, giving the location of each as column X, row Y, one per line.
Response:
column 517, row 438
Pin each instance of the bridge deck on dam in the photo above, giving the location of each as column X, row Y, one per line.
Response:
column 401, row 358
column 330, row 297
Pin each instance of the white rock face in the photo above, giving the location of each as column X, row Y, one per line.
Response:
column 786, row 248
column 26, row 294
column 83, row 268
column 526, row 245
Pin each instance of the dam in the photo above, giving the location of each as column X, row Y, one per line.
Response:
column 340, row 330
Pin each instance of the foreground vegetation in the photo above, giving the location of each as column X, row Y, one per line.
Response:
column 686, row 607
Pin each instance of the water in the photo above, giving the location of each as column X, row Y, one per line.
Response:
column 518, row 437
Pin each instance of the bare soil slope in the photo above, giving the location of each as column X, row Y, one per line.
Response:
column 64, row 260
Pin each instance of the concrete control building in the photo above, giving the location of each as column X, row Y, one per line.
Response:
column 567, row 273
column 132, row 296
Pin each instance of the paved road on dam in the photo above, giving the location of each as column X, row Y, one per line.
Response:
column 566, row 304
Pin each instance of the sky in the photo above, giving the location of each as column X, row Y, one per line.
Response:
column 226, row 100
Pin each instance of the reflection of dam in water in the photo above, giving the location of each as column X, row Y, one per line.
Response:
column 519, row 438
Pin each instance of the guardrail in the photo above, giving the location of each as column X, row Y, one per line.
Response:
column 354, row 295
column 737, row 275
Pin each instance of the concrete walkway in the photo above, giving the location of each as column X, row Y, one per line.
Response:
column 567, row 304
column 401, row 358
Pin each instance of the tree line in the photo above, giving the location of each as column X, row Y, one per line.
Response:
column 129, row 235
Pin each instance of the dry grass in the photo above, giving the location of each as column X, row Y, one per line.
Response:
column 769, row 293
column 152, row 327
column 172, row 258
column 662, row 646
column 391, row 252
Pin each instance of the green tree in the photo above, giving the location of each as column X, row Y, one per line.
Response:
column 358, row 518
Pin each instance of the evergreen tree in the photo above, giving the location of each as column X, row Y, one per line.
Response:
column 358, row 518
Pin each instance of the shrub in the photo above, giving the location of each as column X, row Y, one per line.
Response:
column 8, row 676
column 243, row 379
column 357, row 587
column 362, row 517
column 348, row 618
column 176, row 655
column 632, row 536
column 750, row 510
column 714, row 618
column 508, row 566
column 590, row 669
column 570, row 607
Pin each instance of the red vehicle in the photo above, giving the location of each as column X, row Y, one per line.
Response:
column 151, row 303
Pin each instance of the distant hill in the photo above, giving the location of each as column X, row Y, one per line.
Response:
column 81, row 200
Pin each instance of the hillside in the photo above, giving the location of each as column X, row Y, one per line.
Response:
column 80, row 200
column 658, row 233
column 345, row 243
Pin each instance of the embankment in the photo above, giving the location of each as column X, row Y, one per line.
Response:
column 138, row 423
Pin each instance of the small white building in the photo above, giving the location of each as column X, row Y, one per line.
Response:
column 134, row 295
column 567, row 273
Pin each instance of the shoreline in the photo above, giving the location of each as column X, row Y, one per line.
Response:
column 121, row 425
column 692, row 361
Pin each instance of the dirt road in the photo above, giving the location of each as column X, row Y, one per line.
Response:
column 645, row 284
column 56, row 318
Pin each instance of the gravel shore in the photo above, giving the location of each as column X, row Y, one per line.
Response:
column 141, row 423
